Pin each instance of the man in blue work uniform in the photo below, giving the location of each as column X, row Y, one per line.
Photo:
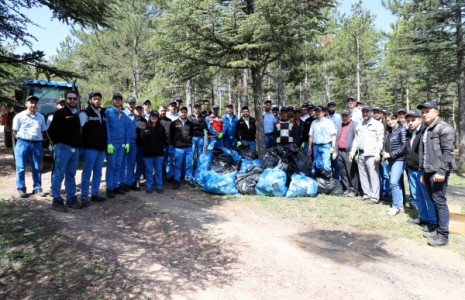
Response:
column 28, row 128
column 94, row 143
column 130, row 157
column 182, row 131
column 268, row 125
column 229, row 127
column 65, row 133
column 117, row 145
column 322, row 143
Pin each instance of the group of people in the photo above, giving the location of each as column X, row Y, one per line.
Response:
column 366, row 148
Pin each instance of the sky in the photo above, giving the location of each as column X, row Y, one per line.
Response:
column 50, row 33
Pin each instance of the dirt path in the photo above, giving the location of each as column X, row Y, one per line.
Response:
column 190, row 245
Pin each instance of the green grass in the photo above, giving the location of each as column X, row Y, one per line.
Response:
column 456, row 180
column 346, row 212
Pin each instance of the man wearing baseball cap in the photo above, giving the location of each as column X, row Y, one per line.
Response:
column 215, row 128
column 436, row 162
column 117, row 145
column 94, row 143
column 268, row 124
column 356, row 113
column 229, row 127
column 128, row 181
column 200, row 127
column 147, row 109
column 59, row 104
column 28, row 128
column 172, row 112
column 348, row 169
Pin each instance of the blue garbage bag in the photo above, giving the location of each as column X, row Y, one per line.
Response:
column 233, row 153
column 246, row 164
column 203, row 165
column 302, row 186
column 272, row 182
column 220, row 184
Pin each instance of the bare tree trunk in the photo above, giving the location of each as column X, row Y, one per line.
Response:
column 257, row 99
column 189, row 93
column 245, row 88
column 280, row 85
column 460, row 82
column 407, row 99
column 306, row 89
column 357, row 47
column 327, row 84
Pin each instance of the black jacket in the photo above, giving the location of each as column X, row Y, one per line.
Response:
column 154, row 138
column 412, row 154
column 244, row 132
column 181, row 135
column 65, row 128
column 94, row 132
column 394, row 143
column 166, row 123
column 199, row 124
column 306, row 129
column 439, row 148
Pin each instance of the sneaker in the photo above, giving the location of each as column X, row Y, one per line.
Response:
column 73, row 203
column 97, row 198
column 438, row 241
column 110, row 194
column 372, row 201
column 430, row 234
column 134, row 187
column 59, row 205
column 119, row 191
column 176, row 185
column 416, row 221
column 22, row 193
column 351, row 194
column 85, row 202
column 148, row 191
column 393, row 211
column 39, row 193
column 429, row 227
column 159, row 190
column 365, row 197
column 345, row 192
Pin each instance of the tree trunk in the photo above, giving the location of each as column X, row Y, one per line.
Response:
column 357, row 47
column 257, row 99
column 460, row 82
column 327, row 84
column 245, row 88
column 189, row 93
column 280, row 85
column 306, row 83
column 407, row 99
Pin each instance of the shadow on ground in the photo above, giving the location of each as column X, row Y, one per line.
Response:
column 343, row 247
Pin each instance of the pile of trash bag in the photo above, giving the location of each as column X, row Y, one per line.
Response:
column 292, row 158
column 272, row 182
column 329, row 186
column 302, row 186
column 224, row 160
column 246, row 181
column 247, row 164
column 246, row 152
column 220, row 184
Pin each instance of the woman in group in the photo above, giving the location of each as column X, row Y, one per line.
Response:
column 154, row 137
column 394, row 153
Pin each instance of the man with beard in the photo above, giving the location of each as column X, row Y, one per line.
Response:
column 198, row 121
column 215, row 128
column 94, row 142
column 337, row 121
column 245, row 129
column 182, row 131
column 229, row 127
column 356, row 113
column 383, row 165
column 65, row 133
column 306, row 129
column 169, row 149
column 268, row 124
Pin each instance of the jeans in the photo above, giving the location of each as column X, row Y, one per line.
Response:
column 384, row 177
column 421, row 197
column 197, row 146
column 183, row 155
column 114, row 166
column 269, row 140
column 251, row 144
column 129, row 164
column 153, row 168
column 229, row 142
column 168, row 161
column 396, row 169
column 25, row 151
column 322, row 162
column 66, row 160
column 438, row 190
column 93, row 165
column 140, row 164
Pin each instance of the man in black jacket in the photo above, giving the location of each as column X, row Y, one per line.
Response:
column 94, row 144
column 200, row 127
column 169, row 149
column 182, row 131
column 65, row 133
column 419, row 192
column 246, row 129
column 436, row 161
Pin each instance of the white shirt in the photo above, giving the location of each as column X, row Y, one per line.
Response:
column 29, row 127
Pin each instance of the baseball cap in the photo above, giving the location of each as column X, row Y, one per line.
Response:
column 319, row 108
column 59, row 100
column 428, row 104
column 378, row 108
column 154, row 113
column 147, row 102
column 331, row 103
column 216, row 106
column 178, row 98
column 139, row 105
column 183, row 108
column 172, row 102
column 229, row 105
column 412, row 113
column 32, row 98
column 366, row 107
column 346, row 112
column 197, row 104
column 93, row 94
column 350, row 98
column 117, row 95
column 359, row 102
column 131, row 100
column 401, row 110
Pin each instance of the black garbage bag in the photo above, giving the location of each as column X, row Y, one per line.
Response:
column 329, row 186
column 222, row 162
column 271, row 158
column 246, row 182
column 298, row 162
column 246, row 152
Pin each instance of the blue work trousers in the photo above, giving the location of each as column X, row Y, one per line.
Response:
column 168, row 161
column 93, row 165
column 251, row 144
column 197, row 146
column 140, row 164
column 214, row 142
column 183, row 155
column 269, row 140
column 421, row 197
column 114, row 166
column 153, row 168
column 322, row 158
column 129, row 164
column 396, row 169
column 33, row 152
column 66, row 160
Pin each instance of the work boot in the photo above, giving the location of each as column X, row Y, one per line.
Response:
column 73, row 203
column 110, row 194
column 134, row 187
column 85, row 202
column 22, row 193
column 59, row 205
column 39, row 193
column 97, row 198
column 119, row 191
column 438, row 240
column 159, row 190
column 430, row 234
column 148, row 191
column 176, row 185
column 124, row 187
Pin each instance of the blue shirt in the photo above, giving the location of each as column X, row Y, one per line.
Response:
column 116, row 126
column 132, row 125
column 365, row 123
column 268, row 122
column 229, row 125
column 322, row 130
column 29, row 127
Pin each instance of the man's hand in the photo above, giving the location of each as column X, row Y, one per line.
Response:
column 438, row 178
column 309, row 150
column 110, row 149
column 331, row 150
column 351, row 157
column 377, row 157
column 126, row 148
column 386, row 155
